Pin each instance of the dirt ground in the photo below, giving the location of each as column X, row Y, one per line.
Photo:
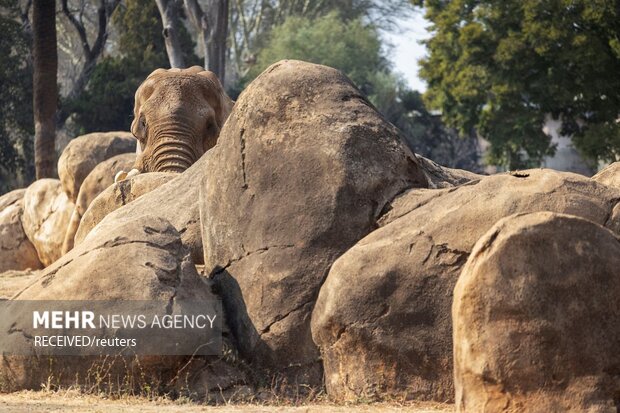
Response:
column 51, row 402
column 12, row 282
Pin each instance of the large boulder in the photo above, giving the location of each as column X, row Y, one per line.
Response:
column 83, row 153
column 101, row 177
column 609, row 175
column 16, row 250
column 303, row 168
column 118, row 195
column 537, row 318
column 47, row 212
column 382, row 318
column 144, row 260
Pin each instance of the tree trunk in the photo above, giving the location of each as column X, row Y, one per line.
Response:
column 45, row 88
column 168, row 9
column 215, row 56
column 212, row 24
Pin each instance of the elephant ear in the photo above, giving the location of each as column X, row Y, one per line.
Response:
column 222, row 104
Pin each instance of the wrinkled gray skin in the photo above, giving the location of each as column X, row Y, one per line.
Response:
column 178, row 116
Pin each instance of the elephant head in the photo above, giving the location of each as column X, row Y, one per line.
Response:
column 178, row 115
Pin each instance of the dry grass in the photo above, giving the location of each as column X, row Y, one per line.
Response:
column 74, row 401
column 275, row 397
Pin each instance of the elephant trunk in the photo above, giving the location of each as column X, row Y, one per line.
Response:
column 173, row 158
column 175, row 151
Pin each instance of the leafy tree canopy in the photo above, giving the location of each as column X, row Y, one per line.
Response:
column 16, row 118
column 350, row 46
column 250, row 26
column 502, row 66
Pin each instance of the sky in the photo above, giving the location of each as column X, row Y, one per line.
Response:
column 406, row 50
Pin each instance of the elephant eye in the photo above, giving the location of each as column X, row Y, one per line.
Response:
column 139, row 128
column 142, row 128
column 212, row 125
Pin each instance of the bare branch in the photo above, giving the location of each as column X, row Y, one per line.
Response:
column 23, row 15
column 104, row 13
column 91, row 53
column 79, row 28
column 212, row 27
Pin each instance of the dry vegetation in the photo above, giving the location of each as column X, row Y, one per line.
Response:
column 73, row 401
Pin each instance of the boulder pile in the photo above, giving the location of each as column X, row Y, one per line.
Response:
column 342, row 259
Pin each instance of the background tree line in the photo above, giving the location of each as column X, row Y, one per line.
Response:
column 105, row 48
column 503, row 67
column 494, row 69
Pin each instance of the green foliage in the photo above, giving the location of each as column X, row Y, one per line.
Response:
column 350, row 46
column 600, row 141
column 16, row 117
column 501, row 67
column 251, row 26
column 423, row 131
column 107, row 103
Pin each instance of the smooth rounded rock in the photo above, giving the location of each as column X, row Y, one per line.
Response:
column 537, row 318
column 118, row 195
column 47, row 212
column 85, row 152
column 101, row 177
column 609, row 175
column 382, row 319
column 16, row 250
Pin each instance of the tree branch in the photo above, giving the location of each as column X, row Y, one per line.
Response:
column 79, row 28
column 23, row 15
column 91, row 54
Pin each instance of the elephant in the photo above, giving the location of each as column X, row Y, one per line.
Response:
column 178, row 115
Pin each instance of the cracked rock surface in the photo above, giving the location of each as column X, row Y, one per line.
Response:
column 536, row 316
column 118, row 195
column 85, row 152
column 302, row 169
column 47, row 212
column 16, row 250
column 382, row 319
column 143, row 259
